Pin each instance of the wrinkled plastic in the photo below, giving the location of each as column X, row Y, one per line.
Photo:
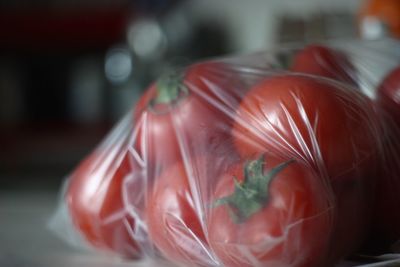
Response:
column 268, row 159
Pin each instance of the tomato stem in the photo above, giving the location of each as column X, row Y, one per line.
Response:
column 169, row 88
column 251, row 195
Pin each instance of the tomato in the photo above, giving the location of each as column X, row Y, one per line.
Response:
column 388, row 95
column 182, row 110
column 386, row 222
column 333, row 128
column 173, row 220
column 326, row 62
column 95, row 203
column 271, row 212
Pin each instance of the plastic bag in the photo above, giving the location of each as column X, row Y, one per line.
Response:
column 386, row 224
column 268, row 159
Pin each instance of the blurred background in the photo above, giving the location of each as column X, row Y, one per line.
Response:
column 70, row 69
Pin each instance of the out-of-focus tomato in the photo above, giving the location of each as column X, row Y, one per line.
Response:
column 388, row 96
column 326, row 62
column 386, row 224
column 95, row 203
column 181, row 110
column 173, row 219
column 271, row 212
column 332, row 128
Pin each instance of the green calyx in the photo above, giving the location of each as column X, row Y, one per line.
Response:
column 252, row 194
column 169, row 88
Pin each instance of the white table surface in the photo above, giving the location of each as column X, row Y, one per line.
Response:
column 25, row 240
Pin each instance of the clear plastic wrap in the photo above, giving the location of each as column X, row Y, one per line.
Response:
column 269, row 159
column 386, row 224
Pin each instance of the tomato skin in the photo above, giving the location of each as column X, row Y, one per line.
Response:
column 95, row 204
column 326, row 62
column 169, row 128
column 386, row 229
column 330, row 127
column 293, row 229
column 388, row 95
column 173, row 221
column 354, row 199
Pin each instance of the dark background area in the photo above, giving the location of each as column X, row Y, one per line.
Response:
column 70, row 69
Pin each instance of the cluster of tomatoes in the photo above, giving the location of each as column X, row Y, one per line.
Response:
column 237, row 166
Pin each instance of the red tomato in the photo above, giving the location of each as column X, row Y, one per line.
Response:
column 386, row 222
column 177, row 113
column 332, row 128
column 173, row 220
column 324, row 61
column 271, row 212
column 388, row 95
column 94, row 200
column 354, row 199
